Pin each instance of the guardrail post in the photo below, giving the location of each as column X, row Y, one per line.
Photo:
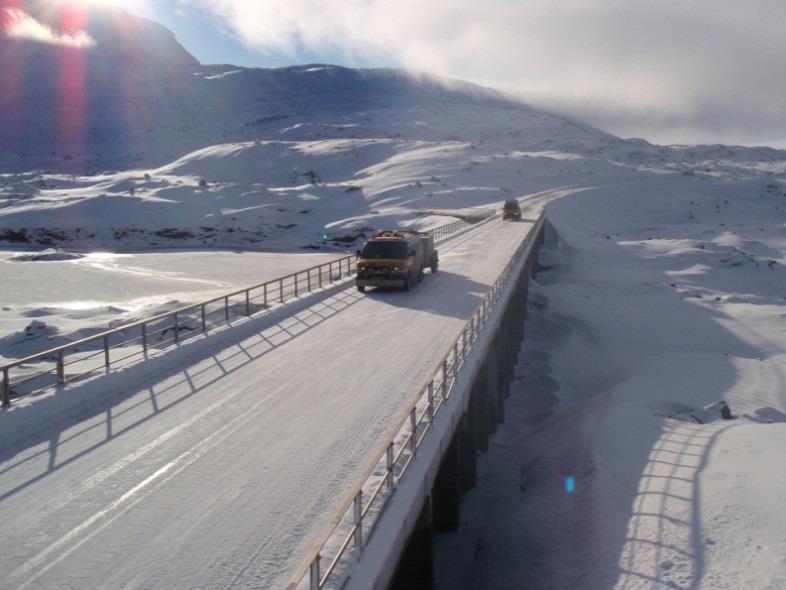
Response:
column 445, row 379
column 226, row 308
column 413, row 424
column 389, row 462
column 144, row 340
column 320, row 275
column 430, row 409
column 295, row 280
column 308, row 279
column 60, row 367
column 281, row 289
column 177, row 330
column 464, row 344
column 359, row 523
column 455, row 361
column 314, row 573
column 248, row 303
column 6, row 389
column 264, row 293
column 204, row 321
column 330, row 271
column 106, row 352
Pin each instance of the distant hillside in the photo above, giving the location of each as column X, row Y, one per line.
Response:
column 135, row 97
column 111, row 134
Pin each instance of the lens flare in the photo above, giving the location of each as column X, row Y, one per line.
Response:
column 72, row 72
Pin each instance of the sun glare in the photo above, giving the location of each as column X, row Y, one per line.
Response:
column 127, row 4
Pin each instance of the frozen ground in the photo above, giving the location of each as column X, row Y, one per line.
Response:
column 51, row 297
column 655, row 302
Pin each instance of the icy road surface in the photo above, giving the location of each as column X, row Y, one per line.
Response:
column 224, row 473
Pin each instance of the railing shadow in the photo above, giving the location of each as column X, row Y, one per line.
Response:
column 634, row 518
column 663, row 545
column 653, row 535
column 252, row 344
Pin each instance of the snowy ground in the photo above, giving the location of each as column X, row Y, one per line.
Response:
column 657, row 300
column 52, row 297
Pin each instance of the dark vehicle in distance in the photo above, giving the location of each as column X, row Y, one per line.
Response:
column 394, row 258
column 511, row 210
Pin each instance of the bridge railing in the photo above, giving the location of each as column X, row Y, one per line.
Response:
column 125, row 344
column 464, row 213
column 348, row 533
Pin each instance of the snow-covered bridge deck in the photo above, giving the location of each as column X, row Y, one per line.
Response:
column 224, row 473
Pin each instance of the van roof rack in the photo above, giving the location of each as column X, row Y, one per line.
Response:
column 391, row 233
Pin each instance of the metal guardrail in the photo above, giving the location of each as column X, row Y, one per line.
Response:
column 95, row 354
column 464, row 213
column 355, row 521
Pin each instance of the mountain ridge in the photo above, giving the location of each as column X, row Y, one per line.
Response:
column 129, row 153
column 138, row 97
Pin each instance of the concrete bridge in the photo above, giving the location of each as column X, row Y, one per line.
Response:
column 314, row 444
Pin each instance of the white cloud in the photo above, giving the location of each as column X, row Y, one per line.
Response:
column 706, row 68
column 20, row 25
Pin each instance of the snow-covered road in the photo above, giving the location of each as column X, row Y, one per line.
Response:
column 222, row 473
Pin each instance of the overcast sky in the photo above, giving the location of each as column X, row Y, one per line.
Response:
column 669, row 70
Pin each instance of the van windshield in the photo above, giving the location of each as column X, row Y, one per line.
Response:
column 384, row 249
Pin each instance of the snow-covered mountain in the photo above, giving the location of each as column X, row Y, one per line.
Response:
column 113, row 135
column 134, row 95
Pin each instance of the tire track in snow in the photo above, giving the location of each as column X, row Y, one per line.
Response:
column 130, row 498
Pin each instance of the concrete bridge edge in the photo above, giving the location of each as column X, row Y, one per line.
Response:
column 427, row 498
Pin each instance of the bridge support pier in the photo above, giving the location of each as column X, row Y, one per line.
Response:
column 468, row 453
column 416, row 566
column 508, row 335
column 492, row 388
column 446, row 493
column 498, row 378
column 479, row 409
